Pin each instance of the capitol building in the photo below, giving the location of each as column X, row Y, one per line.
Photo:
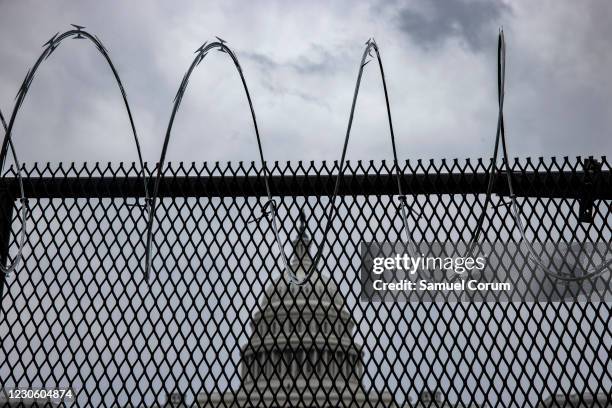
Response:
column 301, row 352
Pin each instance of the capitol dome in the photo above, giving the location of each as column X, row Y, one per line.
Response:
column 302, row 333
column 301, row 351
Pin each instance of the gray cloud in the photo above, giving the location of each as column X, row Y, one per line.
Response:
column 318, row 60
column 440, row 20
column 301, row 63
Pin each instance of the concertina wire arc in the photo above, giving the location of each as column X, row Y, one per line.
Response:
column 270, row 208
column 77, row 33
column 7, row 270
column 201, row 53
column 501, row 137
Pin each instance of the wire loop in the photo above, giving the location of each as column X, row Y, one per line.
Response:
column 370, row 45
column 49, row 47
column 201, row 53
column 501, row 136
column 492, row 170
column 7, row 270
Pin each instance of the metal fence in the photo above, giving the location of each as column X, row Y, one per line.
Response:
column 219, row 325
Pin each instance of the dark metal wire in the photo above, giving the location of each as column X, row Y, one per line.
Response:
column 7, row 270
column 370, row 45
column 501, row 72
column 201, row 53
column 492, row 170
column 90, row 298
column 77, row 33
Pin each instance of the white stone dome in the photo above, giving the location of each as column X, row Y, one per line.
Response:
column 302, row 332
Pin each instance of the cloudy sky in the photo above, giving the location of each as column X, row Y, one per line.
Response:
column 301, row 61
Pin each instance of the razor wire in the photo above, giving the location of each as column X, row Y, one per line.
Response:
column 7, row 270
column 77, row 33
column 270, row 207
column 497, row 353
column 492, row 170
column 501, row 136
column 370, row 45
column 201, row 53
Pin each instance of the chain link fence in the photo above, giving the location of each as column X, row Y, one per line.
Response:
column 219, row 325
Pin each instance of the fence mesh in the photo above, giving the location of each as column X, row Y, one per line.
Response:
column 218, row 324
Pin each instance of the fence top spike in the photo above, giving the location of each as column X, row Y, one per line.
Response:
column 78, row 27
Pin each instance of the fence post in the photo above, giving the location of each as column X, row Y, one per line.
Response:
column 591, row 169
column 7, row 202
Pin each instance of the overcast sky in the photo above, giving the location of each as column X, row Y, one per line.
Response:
column 301, row 61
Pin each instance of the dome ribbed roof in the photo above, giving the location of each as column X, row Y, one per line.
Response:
column 294, row 318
